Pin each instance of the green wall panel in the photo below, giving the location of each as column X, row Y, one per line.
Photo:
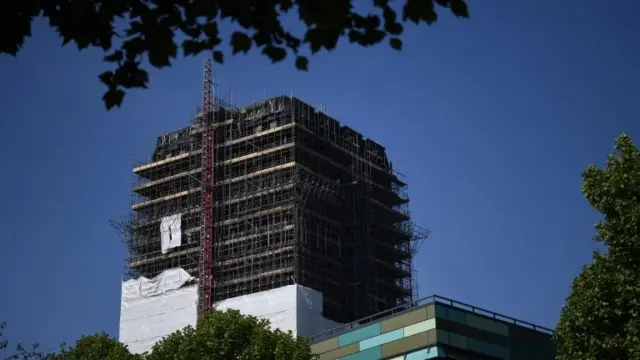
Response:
column 340, row 352
column 494, row 326
column 408, row 344
column 458, row 341
column 471, row 332
column 325, row 346
column 403, row 320
column 374, row 353
column 476, row 321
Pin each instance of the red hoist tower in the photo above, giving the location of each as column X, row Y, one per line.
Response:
column 205, row 283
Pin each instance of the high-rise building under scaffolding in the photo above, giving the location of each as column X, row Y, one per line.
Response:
column 298, row 199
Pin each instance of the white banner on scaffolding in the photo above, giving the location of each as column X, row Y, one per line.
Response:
column 170, row 232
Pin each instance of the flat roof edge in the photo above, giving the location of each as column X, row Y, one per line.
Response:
column 426, row 301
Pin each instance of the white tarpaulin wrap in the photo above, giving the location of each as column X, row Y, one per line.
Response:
column 292, row 307
column 170, row 233
column 153, row 309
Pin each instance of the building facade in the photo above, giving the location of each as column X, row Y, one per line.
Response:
column 436, row 328
column 298, row 200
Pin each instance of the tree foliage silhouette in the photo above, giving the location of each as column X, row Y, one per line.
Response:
column 150, row 28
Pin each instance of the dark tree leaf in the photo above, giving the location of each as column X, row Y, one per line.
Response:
column 459, row 8
column 391, row 25
column 275, row 53
column 158, row 58
column 302, row 63
column 139, row 78
column 193, row 47
column 419, row 10
column 113, row 97
column 240, row 42
column 395, row 43
column 106, row 77
column 394, row 28
column 218, row 57
column 163, row 49
column 130, row 76
column 314, row 38
column 373, row 36
column 355, row 36
column 210, row 30
column 14, row 29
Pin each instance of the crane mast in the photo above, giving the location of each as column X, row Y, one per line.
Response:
column 205, row 282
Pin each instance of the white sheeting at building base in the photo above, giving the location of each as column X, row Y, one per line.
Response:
column 292, row 307
column 152, row 309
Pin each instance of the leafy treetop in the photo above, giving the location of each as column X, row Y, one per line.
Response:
column 230, row 335
column 220, row 335
column 601, row 318
column 152, row 25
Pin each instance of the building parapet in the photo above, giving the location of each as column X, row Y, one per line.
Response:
column 433, row 299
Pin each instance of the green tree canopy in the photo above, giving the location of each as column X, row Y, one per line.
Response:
column 601, row 318
column 230, row 335
column 150, row 28
column 96, row 347
column 220, row 335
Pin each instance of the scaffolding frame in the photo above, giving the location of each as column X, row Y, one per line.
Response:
column 297, row 198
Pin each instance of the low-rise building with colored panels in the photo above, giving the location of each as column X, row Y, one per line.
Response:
column 436, row 328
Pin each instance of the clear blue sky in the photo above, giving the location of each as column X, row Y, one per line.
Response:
column 491, row 119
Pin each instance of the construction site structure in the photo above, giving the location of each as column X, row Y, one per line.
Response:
column 273, row 194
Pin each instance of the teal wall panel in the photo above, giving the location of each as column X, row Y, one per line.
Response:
column 428, row 353
column 381, row 339
column 359, row 334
